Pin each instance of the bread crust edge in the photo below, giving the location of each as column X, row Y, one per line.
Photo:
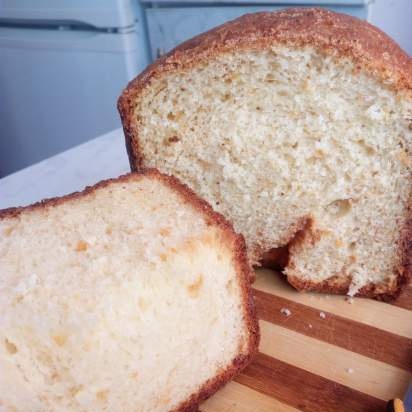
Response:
column 238, row 247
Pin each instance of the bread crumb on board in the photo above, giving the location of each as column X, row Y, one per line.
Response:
column 285, row 312
column 322, row 315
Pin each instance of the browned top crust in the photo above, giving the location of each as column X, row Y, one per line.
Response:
column 329, row 32
column 240, row 261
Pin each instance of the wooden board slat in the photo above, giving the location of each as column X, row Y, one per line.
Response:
column 236, row 397
column 354, row 336
column 381, row 315
column 304, row 390
column 366, row 375
column 326, row 355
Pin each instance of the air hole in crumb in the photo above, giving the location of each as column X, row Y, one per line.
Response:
column 229, row 286
column 172, row 139
column 369, row 150
column 317, row 63
column 164, row 231
column 311, row 160
column 81, row 246
column 60, row 340
column 55, row 377
column 74, row 390
column 319, row 154
column 194, row 288
column 102, row 395
column 8, row 231
column 290, row 159
column 164, row 400
column 10, row 347
column 109, row 231
column 404, row 158
column 269, row 78
column 339, row 207
column 143, row 305
column 274, row 66
column 19, row 298
column 352, row 245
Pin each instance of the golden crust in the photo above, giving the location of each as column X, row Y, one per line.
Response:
column 244, row 272
column 331, row 33
column 341, row 287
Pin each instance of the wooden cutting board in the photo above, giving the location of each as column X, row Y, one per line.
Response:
column 327, row 355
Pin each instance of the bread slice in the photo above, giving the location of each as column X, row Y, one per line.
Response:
column 130, row 296
column 295, row 125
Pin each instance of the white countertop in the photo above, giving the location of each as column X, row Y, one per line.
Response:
column 67, row 172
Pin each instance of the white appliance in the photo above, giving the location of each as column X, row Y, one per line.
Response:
column 63, row 64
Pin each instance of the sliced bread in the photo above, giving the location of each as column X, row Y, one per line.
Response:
column 297, row 126
column 130, row 296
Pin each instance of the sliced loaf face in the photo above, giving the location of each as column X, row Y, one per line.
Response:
column 296, row 126
column 131, row 296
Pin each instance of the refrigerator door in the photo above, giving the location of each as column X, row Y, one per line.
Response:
column 97, row 13
column 59, row 89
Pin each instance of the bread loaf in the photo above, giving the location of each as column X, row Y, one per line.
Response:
column 130, row 296
column 295, row 125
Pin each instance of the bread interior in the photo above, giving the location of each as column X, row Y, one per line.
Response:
column 277, row 138
column 125, row 299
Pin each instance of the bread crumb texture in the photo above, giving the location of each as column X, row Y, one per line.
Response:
column 94, row 319
column 283, row 135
